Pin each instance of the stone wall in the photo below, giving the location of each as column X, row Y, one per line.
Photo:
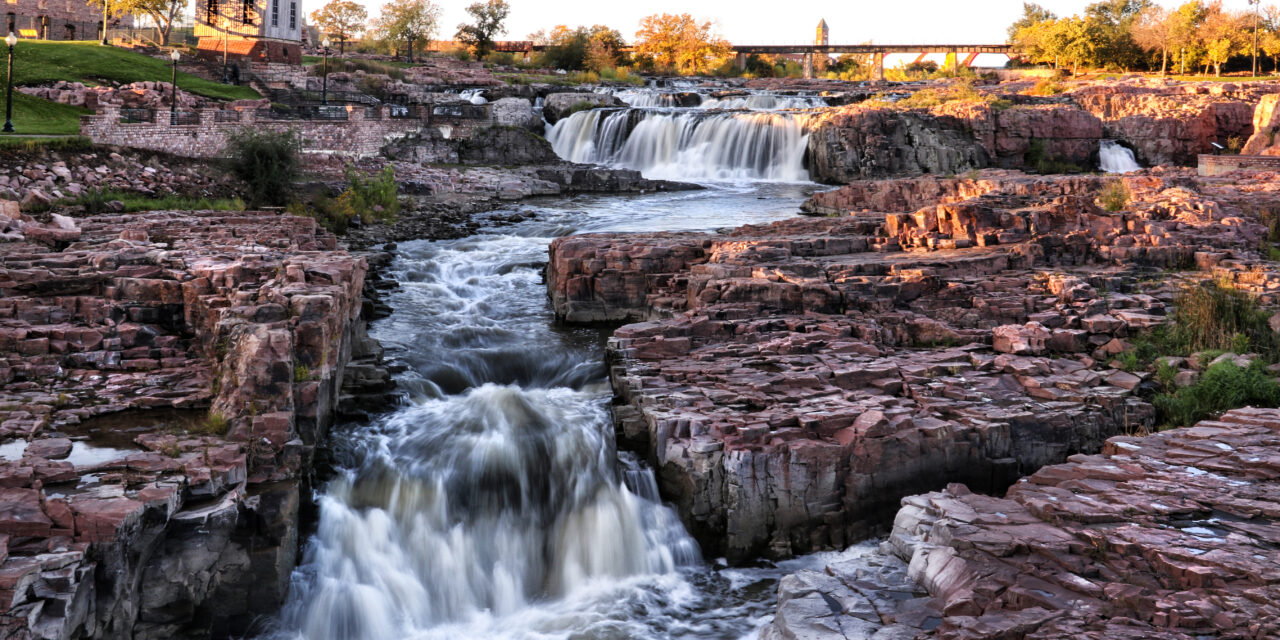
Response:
column 1219, row 165
column 362, row 134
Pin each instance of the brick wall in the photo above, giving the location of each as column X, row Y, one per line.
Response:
column 361, row 135
column 1218, row 165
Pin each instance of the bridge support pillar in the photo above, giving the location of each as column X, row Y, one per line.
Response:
column 740, row 62
column 877, row 72
column 808, row 66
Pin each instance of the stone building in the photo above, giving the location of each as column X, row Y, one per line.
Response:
column 250, row 30
column 56, row 19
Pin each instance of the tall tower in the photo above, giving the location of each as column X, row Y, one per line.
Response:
column 824, row 34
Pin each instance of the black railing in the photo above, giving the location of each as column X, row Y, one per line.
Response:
column 226, row 115
column 407, row 112
column 134, row 116
column 185, row 117
column 303, row 112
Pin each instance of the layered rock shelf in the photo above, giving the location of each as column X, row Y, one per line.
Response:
column 791, row 382
column 1171, row 536
column 166, row 379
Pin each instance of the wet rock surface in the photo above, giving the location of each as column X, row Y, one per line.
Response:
column 216, row 344
column 1167, row 536
column 791, row 382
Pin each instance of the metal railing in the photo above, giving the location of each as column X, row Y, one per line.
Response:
column 135, row 116
column 185, row 117
column 304, row 112
column 226, row 115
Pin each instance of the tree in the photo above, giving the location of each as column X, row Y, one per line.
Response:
column 580, row 48
column 163, row 12
column 409, row 21
column 1032, row 14
column 1269, row 39
column 342, row 19
column 679, row 42
column 488, row 18
column 1187, row 19
column 1223, row 35
column 1156, row 29
column 1111, row 25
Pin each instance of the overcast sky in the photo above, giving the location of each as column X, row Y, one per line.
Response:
column 782, row 21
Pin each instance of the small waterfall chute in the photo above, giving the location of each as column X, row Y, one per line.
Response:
column 1114, row 157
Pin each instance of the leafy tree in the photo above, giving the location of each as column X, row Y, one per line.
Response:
column 488, row 18
column 1156, row 29
column 579, row 48
column 1269, row 37
column 677, row 41
column 341, row 18
column 163, row 12
column 409, row 21
column 1032, row 14
column 1111, row 28
column 1223, row 34
column 1187, row 19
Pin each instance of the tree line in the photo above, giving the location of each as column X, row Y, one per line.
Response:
column 1128, row 35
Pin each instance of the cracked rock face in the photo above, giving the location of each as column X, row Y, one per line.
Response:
column 1168, row 536
column 792, row 382
column 128, row 508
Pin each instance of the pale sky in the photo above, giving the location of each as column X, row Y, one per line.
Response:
column 781, row 21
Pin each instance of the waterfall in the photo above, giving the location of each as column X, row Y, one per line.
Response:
column 474, row 96
column 687, row 145
column 764, row 102
column 1116, row 158
column 497, row 489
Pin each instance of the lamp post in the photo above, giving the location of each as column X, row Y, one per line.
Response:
column 1256, row 6
column 104, row 22
column 173, row 96
column 324, row 73
column 8, row 92
column 226, row 76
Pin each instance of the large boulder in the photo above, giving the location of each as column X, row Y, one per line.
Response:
column 561, row 105
column 515, row 112
column 1266, row 120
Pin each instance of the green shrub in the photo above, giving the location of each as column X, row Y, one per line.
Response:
column 1223, row 387
column 1216, row 316
column 267, row 162
column 215, row 424
column 1114, row 196
column 1045, row 87
column 367, row 197
column 611, row 74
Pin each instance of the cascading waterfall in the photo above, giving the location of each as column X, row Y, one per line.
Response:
column 687, row 145
column 763, row 102
column 492, row 504
column 1116, row 158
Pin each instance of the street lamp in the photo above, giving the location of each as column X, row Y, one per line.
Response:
column 173, row 99
column 8, row 92
column 1256, row 6
column 104, row 22
column 324, row 72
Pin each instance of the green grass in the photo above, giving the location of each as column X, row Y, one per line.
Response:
column 34, row 116
column 96, row 202
column 42, row 62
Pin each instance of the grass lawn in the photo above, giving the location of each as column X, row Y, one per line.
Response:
column 35, row 116
column 39, row 62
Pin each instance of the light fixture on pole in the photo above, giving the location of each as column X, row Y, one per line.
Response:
column 104, row 21
column 324, row 73
column 8, row 92
column 1257, row 4
column 173, row 95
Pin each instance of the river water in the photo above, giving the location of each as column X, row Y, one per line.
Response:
column 493, row 503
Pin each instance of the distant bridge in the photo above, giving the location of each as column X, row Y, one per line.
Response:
column 877, row 50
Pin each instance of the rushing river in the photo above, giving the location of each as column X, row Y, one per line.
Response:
column 493, row 503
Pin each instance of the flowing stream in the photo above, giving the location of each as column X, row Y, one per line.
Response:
column 493, row 503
